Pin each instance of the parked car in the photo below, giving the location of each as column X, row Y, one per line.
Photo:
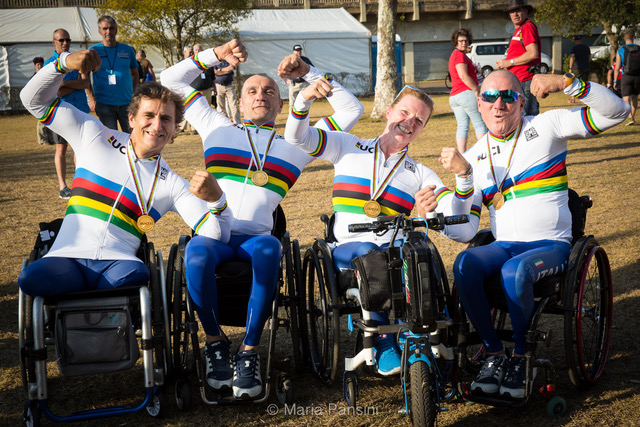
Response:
column 601, row 46
column 486, row 54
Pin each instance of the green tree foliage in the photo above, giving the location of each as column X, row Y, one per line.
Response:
column 568, row 17
column 170, row 25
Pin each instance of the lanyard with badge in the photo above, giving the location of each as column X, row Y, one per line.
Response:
column 112, row 77
column 259, row 178
column 498, row 197
column 145, row 221
column 372, row 207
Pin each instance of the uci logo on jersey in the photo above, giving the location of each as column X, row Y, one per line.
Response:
column 364, row 148
column 115, row 144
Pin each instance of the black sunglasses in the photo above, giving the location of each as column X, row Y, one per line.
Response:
column 63, row 40
column 507, row 96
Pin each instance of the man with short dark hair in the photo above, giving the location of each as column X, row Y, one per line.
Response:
column 629, row 84
column 579, row 57
column 297, row 84
column 115, row 81
column 523, row 52
column 520, row 175
column 75, row 89
column 122, row 186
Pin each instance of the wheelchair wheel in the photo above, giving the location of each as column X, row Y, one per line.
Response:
column 301, row 294
column 157, row 408
column 587, row 327
column 323, row 318
column 423, row 408
column 32, row 414
column 25, row 326
column 159, row 313
column 291, row 302
column 179, row 316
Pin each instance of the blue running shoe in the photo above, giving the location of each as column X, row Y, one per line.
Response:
column 219, row 365
column 247, row 383
column 386, row 354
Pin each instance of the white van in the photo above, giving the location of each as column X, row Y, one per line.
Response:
column 601, row 46
column 487, row 53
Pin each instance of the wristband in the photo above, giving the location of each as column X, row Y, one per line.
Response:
column 468, row 172
column 568, row 79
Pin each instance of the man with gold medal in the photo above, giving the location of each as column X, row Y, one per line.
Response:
column 520, row 175
column 122, row 186
column 374, row 177
column 255, row 167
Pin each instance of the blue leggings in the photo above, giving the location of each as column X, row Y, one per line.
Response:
column 342, row 257
column 50, row 276
column 203, row 255
column 520, row 265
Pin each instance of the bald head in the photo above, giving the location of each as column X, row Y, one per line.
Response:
column 501, row 117
column 260, row 99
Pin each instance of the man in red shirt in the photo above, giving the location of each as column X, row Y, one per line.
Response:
column 523, row 51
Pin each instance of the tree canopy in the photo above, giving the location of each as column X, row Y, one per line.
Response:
column 568, row 17
column 170, row 25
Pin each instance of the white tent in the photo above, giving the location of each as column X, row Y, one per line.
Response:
column 27, row 33
column 332, row 39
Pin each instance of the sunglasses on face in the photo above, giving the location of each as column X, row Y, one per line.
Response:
column 64, row 40
column 507, row 96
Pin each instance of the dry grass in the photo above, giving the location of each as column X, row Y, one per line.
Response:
column 604, row 167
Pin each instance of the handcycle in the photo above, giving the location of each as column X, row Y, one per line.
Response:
column 410, row 281
column 94, row 332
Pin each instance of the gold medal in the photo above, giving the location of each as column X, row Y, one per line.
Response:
column 498, row 200
column 260, row 178
column 145, row 223
column 372, row 209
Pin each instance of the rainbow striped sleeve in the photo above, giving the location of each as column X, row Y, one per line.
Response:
column 322, row 143
column 193, row 97
column 48, row 116
column 463, row 194
column 331, row 123
column 475, row 210
column 58, row 66
column 441, row 192
column 300, row 115
column 200, row 65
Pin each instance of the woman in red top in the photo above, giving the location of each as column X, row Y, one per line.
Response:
column 464, row 89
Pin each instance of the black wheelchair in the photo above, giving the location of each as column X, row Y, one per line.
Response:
column 408, row 280
column 234, row 280
column 582, row 295
column 94, row 332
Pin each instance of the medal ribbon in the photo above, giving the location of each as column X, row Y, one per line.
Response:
column 254, row 150
column 493, row 173
column 145, row 207
column 376, row 193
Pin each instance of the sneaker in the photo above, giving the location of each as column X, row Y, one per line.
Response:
column 630, row 123
column 219, row 365
column 386, row 354
column 247, row 383
column 513, row 384
column 402, row 338
column 491, row 374
column 65, row 193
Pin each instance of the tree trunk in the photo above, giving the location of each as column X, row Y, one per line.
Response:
column 613, row 39
column 386, row 66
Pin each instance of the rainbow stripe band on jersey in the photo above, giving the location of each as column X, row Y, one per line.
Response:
column 193, row 97
column 50, row 114
column 322, row 143
column 351, row 193
column 200, row 64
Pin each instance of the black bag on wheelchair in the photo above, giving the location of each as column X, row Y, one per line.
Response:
column 372, row 272
column 95, row 336
column 420, row 297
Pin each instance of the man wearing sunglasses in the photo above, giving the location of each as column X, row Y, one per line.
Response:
column 75, row 88
column 520, row 175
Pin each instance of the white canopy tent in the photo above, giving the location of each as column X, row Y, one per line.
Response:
column 332, row 39
column 27, row 33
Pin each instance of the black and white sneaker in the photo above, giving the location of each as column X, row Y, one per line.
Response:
column 247, row 383
column 491, row 374
column 513, row 385
column 219, row 365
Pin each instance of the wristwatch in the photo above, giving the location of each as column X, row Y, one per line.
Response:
column 568, row 79
column 511, row 61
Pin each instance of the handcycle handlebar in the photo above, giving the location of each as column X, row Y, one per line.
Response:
column 385, row 223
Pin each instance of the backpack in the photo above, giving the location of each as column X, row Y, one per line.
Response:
column 631, row 64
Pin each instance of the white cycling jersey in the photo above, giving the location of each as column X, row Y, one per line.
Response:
column 354, row 162
column 100, row 220
column 228, row 153
column 535, row 179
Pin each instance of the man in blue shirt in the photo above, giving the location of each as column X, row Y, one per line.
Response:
column 114, row 83
column 74, row 89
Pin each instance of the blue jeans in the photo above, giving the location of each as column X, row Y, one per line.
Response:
column 50, row 276
column 531, row 106
column 111, row 115
column 465, row 108
column 520, row 265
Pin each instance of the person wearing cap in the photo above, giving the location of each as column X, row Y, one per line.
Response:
column 579, row 58
column 296, row 85
column 523, row 53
